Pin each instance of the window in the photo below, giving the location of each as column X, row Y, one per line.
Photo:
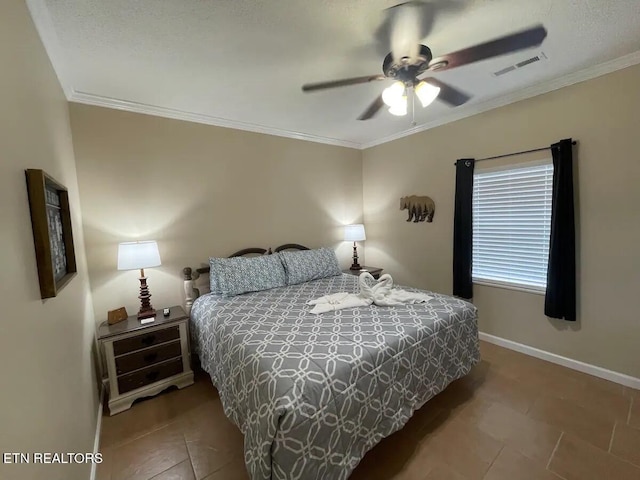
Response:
column 512, row 225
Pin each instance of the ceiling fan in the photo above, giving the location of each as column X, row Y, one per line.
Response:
column 408, row 60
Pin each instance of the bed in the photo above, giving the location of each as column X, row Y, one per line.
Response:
column 313, row 393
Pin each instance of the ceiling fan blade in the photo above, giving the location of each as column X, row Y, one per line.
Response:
column 405, row 29
column 310, row 87
column 376, row 105
column 500, row 46
column 422, row 18
column 448, row 94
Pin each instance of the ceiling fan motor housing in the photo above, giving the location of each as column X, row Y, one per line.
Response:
column 406, row 70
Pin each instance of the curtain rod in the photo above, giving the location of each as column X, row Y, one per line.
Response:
column 518, row 153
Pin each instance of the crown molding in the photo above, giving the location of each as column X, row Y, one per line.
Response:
column 49, row 38
column 529, row 92
column 533, row 91
column 44, row 25
column 100, row 101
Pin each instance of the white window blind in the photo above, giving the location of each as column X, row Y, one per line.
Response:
column 512, row 225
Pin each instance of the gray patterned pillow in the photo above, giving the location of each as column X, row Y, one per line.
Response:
column 308, row 265
column 233, row 276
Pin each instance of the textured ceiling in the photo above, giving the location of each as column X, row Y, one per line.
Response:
column 242, row 62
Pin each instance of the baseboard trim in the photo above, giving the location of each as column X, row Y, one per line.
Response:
column 594, row 370
column 96, row 439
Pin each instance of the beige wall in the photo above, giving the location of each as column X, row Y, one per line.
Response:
column 48, row 397
column 604, row 116
column 201, row 191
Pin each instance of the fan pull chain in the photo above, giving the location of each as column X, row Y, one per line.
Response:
column 413, row 108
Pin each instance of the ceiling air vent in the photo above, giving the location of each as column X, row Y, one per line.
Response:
column 523, row 63
column 510, row 68
column 528, row 61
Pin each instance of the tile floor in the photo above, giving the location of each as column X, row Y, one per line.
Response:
column 513, row 418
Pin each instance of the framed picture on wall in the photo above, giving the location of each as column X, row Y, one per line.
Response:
column 52, row 235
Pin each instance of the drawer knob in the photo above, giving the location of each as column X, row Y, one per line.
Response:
column 152, row 375
column 150, row 357
column 148, row 340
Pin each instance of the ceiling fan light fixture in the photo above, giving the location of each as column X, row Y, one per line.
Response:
column 426, row 93
column 393, row 94
column 399, row 108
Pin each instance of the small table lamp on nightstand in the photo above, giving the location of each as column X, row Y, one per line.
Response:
column 140, row 255
column 354, row 233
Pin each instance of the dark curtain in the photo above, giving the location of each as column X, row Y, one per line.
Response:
column 560, row 299
column 463, row 229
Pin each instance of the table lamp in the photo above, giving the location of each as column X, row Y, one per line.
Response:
column 140, row 255
column 354, row 233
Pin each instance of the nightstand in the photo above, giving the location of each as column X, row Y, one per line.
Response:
column 374, row 271
column 143, row 360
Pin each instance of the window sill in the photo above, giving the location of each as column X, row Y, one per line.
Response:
column 510, row 286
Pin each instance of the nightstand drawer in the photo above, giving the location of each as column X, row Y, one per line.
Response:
column 149, row 375
column 142, row 341
column 148, row 356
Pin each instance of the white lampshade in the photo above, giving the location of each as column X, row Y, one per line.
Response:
column 354, row 233
column 135, row 255
column 393, row 94
column 426, row 93
column 400, row 108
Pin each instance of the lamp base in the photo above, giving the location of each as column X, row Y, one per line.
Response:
column 355, row 265
column 146, row 309
column 146, row 314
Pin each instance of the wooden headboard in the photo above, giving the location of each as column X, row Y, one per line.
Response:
column 193, row 291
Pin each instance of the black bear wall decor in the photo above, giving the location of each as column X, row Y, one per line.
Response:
column 421, row 208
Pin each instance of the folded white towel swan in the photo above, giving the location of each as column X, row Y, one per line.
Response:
column 381, row 293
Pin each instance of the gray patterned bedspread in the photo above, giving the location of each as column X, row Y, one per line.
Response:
column 313, row 393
